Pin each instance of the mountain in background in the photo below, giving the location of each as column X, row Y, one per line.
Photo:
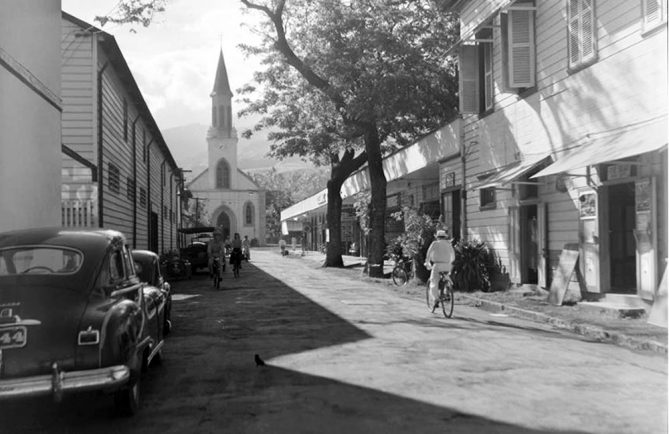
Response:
column 188, row 145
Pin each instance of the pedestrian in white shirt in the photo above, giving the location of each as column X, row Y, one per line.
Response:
column 439, row 258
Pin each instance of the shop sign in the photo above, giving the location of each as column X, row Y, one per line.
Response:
column 446, row 180
column 588, row 205
column 618, row 171
column 643, row 195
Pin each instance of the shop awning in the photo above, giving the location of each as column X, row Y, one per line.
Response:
column 512, row 172
column 595, row 149
column 291, row 226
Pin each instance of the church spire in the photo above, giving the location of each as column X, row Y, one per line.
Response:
column 221, row 101
column 221, row 84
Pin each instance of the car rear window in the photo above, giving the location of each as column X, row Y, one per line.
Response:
column 39, row 260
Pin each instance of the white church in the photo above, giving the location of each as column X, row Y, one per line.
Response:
column 232, row 201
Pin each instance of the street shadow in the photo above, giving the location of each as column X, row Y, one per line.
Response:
column 245, row 398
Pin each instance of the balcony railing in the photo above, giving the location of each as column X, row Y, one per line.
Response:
column 78, row 214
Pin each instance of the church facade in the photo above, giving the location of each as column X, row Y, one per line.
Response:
column 231, row 200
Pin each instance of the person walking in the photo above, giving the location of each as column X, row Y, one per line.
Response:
column 246, row 248
column 236, row 253
column 439, row 258
column 282, row 246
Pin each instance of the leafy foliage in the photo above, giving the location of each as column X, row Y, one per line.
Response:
column 283, row 190
column 476, row 267
column 419, row 230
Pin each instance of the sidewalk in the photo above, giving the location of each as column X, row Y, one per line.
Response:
column 585, row 320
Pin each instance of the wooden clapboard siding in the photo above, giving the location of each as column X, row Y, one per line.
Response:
column 142, row 213
column 116, row 150
column 77, row 126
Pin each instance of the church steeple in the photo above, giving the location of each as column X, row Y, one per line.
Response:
column 221, row 100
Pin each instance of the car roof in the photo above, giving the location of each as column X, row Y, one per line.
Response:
column 144, row 255
column 80, row 238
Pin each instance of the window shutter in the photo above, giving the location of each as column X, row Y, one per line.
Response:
column 469, row 79
column 588, row 29
column 521, row 48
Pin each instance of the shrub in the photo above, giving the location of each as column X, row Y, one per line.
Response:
column 477, row 268
column 470, row 271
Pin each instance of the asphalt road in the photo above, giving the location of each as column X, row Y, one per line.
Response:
column 346, row 355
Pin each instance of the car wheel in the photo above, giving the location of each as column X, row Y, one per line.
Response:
column 127, row 399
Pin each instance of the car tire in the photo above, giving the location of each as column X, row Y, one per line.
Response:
column 127, row 400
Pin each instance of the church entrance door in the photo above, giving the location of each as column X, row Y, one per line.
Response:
column 223, row 223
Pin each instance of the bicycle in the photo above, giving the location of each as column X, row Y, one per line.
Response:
column 403, row 271
column 446, row 297
column 215, row 271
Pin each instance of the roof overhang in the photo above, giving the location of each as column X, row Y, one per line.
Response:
column 512, row 172
column 633, row 140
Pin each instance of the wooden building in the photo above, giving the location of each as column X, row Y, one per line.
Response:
column 564, row 108
column 30, row 111
column 118, row 171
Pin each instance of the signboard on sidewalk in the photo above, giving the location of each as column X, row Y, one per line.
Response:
column 563, row 274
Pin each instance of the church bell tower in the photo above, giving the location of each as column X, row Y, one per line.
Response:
column 222, row 136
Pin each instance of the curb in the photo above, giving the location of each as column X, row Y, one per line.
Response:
column 587, row 330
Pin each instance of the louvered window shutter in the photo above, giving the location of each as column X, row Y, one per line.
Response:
column 588, row 30
column 469, row 79
column 522, row 53
column 654, row 13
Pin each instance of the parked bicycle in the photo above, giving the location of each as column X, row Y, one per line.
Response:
column 446, row 298
column 403, row 270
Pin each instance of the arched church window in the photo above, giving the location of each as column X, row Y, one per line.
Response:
column 221, row 116
column 248, row 214
column 222, row 174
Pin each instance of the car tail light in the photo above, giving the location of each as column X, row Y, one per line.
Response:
column 89, row 337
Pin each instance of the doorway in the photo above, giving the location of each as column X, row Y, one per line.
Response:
column 223, row 223
column 451, row 210
column 529, row 244
column 153, row 233
column 622, row 247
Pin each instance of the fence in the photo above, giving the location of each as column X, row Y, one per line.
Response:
column 78, row 214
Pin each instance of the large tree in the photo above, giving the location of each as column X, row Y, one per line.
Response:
column 305, row 123
column 381, row 66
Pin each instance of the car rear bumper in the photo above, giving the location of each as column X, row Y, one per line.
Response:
column 59, row 383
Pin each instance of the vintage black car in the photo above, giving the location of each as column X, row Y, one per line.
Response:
column 196, row 251
column 74, row 316
column 147, row 266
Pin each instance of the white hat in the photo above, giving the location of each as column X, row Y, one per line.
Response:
column 441, row 233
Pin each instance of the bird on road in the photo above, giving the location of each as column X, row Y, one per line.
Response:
column 259, row 361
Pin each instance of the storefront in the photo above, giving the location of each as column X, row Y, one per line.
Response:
column 619, row 185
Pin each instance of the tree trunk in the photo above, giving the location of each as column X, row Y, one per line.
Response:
column 341, row 169
column 333, row 254
column 377, row 216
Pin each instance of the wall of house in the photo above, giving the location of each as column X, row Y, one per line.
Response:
column 79, row 118
column 30, row 113
column 630, row 72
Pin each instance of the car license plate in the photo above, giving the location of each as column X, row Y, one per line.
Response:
column 13, row 337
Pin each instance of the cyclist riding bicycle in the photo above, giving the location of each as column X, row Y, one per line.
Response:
column 439, row 259
column 216, row 248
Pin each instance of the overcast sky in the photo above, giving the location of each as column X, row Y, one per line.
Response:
column 174, row 60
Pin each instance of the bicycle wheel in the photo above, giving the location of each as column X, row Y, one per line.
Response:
column 447, row 300
column 400, row 276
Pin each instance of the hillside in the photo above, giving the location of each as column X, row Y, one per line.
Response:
column 188, row 145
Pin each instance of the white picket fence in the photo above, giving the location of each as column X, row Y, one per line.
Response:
column 78, row 214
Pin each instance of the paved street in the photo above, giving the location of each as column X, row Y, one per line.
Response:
column 346, row 355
